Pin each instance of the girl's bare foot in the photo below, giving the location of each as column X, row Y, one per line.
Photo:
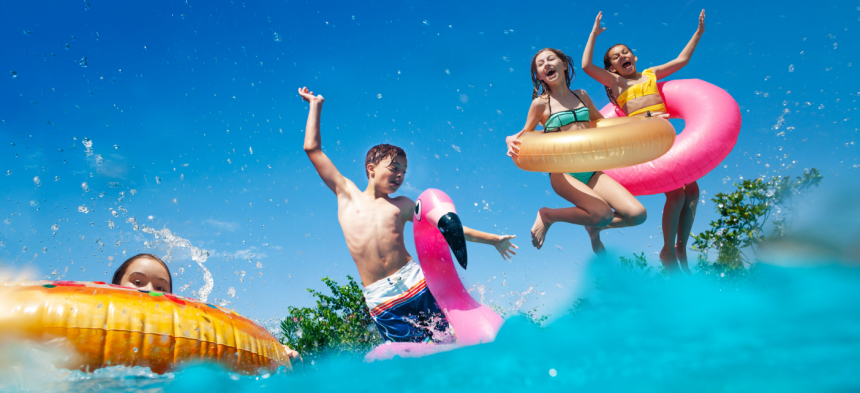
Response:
column 596, row 244
column 540, row 228
column 670, row 260
column 681, row 252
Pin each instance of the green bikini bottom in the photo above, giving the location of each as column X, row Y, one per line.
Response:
column 583, row 177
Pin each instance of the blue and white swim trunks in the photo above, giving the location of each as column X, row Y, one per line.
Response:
column 403, row 308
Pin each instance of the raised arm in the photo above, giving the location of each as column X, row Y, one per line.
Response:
column 501, row 242
column 605, row 77
column 669, row 68
column 313, row 144
column 536, row 111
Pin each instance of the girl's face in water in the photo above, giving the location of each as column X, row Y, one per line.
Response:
column 622, row 61
column 550, row 68
column 147, row 275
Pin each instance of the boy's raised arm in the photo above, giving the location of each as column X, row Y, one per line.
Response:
column 313, row 144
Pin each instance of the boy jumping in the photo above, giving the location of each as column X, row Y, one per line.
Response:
column 372, row 222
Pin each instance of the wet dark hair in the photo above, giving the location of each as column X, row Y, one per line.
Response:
column 540, row 87
column 607, row 63
column 120, row 271
column 381, row 152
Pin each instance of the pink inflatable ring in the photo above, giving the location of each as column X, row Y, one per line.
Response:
column 713, row 121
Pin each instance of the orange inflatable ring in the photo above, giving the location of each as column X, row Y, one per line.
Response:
column 611, row 143
column 108, row 325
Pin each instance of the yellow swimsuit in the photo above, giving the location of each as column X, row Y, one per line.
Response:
column 640, row 90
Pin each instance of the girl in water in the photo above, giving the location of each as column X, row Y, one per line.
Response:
column 636, row 94
column 145, row 272
column 599, row 202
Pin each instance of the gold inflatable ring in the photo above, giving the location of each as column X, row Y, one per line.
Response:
column 108, row 325
column 610, row 143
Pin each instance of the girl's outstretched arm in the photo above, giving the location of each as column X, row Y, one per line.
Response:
column 684, row 58
column 536, row 111
column 606, row 78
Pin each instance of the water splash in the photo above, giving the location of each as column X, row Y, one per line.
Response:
column 197, row 255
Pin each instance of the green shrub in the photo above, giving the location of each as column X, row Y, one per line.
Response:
column 339, row 325
column 744, row 213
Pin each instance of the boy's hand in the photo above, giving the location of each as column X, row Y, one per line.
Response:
column 596, row 30
column 504, row 246
column 309, row 96
column 293, row 354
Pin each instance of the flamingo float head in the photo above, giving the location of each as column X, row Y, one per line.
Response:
column 435, row 208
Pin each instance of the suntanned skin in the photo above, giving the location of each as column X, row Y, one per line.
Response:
column 371, row 220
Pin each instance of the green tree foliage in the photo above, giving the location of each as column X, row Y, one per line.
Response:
column 744, row 214
column 340, row 324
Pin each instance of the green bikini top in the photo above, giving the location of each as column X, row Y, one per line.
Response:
column 563, row 118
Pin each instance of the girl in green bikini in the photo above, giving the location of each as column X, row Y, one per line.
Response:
column 599, row 202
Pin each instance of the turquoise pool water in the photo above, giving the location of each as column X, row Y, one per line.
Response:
column 789, row 329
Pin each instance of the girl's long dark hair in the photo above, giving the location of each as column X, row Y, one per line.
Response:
column 120, row 271
column 606, row 65
column 540, row 87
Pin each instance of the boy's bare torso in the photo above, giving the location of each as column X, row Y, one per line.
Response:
column 373, row 228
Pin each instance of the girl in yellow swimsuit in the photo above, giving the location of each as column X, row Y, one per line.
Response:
column 636, row 94
column 599, row 202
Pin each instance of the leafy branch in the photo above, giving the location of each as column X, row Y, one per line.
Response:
column 745, row 212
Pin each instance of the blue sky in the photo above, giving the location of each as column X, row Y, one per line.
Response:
column 192, row 112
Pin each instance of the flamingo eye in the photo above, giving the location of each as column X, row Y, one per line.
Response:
column 418, row 209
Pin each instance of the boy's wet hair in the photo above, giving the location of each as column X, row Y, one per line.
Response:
column 607, row 63
column 120, row 271
column 540, row 87
column 382, row 152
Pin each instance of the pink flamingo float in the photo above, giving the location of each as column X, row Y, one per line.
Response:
column 437, row 228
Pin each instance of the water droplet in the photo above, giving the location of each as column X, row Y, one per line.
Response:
column 259, row 265
column 88, row 144
column 157, row 180
column 277, row 37
column 231, row 292
column 250, row 150
column 36, row 181
column 55, row 227
column 83, row 209
column 379, row 96
column 8, row 173
column 447, row 72
column 85, row 187
column 791, row 68
column 34, row 203
column 82, row 62
column 552, row 372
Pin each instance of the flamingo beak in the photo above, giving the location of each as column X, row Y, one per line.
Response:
column 451, row 228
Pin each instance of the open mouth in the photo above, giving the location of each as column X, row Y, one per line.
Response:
column 550, row 73
column 626, row 64
column 394, row 183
